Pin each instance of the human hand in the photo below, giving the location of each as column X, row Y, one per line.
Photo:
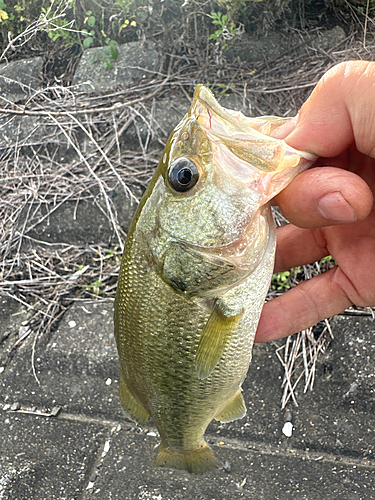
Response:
column 330, row 206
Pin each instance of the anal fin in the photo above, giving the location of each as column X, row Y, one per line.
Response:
column 215, row 338
column 132, row 407
column 234, row 410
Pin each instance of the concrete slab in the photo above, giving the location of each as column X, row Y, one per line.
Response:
column 330, row 454
column 78, row 371
column 44, row 458
column 260, row 473
column 85, row 223
column 20, row 79
column 337, row 417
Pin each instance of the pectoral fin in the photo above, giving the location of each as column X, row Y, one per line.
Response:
column 234, row 410
column 214, row 340
column 132, row 407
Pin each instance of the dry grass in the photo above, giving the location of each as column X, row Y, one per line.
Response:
column 47, row 277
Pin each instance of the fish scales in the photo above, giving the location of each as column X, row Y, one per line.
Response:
column 194, row 275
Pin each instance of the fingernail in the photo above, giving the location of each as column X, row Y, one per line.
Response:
column 334, row 207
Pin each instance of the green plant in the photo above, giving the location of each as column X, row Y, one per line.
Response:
column 57, row 27
column 90, row 20
column 106, row 23
column 94, row 287
column 226, row 31
column 3, row 13
column 221, row 88
column 284, row 279
column 329, row 260
column 224, row 88
column 110, row 53
column 280, row 281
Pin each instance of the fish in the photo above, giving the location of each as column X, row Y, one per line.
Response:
column 194, row 275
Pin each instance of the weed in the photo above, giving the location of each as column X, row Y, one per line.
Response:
column 284, row 280
column 226, row 29
column 94, row 287
column 280, row 281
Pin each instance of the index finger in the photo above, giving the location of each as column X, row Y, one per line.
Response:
column 339, row 112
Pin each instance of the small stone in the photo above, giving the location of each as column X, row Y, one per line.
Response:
column 55, row 411
column 15, row 407
column 2, row 368
column 4, row 336
column 6, row 407
column 288, row 429
column 152, row 433
column 108, row 381
column 353, row 387
column 226, row 466
column 72, row 324
column 107, row 445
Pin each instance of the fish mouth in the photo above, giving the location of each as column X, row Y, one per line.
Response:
column 238, row 138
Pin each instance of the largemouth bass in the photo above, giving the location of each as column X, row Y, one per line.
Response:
column 195, row 271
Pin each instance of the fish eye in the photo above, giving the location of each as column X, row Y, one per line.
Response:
column 183, row 175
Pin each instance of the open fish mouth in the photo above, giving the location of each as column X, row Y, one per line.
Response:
column 246, row 138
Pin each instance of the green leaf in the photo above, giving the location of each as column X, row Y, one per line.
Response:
column 114, row 49
column 87, row 42
column 91, row 21
column 107, row 64
column 3, row 5
column 114, row 52
column 142, row 15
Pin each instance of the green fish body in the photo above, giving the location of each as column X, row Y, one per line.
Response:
column 195, row 271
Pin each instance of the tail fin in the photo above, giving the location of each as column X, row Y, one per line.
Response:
column 201, row 460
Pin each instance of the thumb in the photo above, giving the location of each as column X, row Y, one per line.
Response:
column 324, row 196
